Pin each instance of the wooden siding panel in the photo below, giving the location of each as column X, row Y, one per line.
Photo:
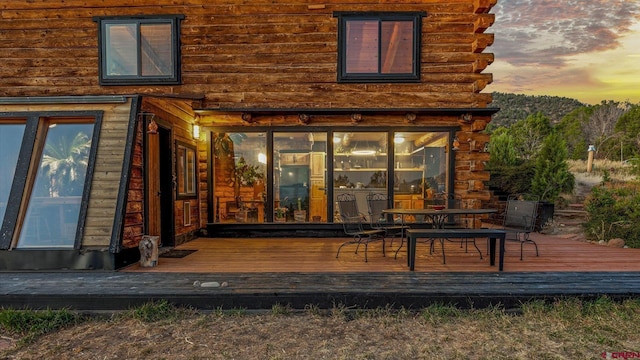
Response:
column 107, row 177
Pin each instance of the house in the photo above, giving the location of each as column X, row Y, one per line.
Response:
column 180, row 118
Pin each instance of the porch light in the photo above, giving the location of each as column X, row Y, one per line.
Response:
column 196, row 131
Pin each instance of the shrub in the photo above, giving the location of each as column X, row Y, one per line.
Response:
column 512, row 179
column 552, row 175
column 614, row 212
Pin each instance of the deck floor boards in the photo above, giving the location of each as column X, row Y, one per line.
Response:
column 226, row 255
column 302, row 271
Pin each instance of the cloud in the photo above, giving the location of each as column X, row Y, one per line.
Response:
column 547, row 32
column 516, row 81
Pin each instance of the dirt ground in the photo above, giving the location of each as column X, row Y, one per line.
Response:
column 568, row 333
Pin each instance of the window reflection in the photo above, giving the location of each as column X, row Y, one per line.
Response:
column 299, row 176
column 10, row 141
column 239, row 180
column 420, row 168
column 53, row 211
column 360, row 165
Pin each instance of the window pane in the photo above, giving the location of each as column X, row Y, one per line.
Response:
column 52, row 214
column 156, row 50
column 360, row 165
column 362, row 46
column 299, row 176
column 420, row 168
column 181, row 169
column 191, row 171
column 397, row 47
column 10, row 141
column 186, row 170
column 240, row 167
column 121, row 51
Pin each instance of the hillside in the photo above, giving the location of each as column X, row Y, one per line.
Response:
column 514, row 107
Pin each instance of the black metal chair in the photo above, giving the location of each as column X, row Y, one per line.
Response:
column 377, row 203
column 352, row 222
column 520, row 219
column 452, row 201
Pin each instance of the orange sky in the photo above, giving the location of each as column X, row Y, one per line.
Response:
column 587, row 50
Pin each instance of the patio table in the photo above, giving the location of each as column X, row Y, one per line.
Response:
column 438, row 218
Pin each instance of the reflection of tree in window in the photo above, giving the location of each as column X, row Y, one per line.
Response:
column 64, row 162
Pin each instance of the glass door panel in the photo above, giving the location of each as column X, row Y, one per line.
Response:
column 420, row 168
column 360, row 165
column 299, row 168
column 240, row 164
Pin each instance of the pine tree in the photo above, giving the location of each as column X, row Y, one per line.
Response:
column 552, row 176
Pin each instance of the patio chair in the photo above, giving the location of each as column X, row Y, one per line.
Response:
column 352, row 222
column 376, row 203
column 452, row 201
column 520, row 219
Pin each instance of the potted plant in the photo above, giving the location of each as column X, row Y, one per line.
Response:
column 280, row 214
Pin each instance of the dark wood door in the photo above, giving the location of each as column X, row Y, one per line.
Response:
column 160, row 185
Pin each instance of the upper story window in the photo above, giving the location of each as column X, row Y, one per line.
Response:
column 379, row 47
column 139, row 50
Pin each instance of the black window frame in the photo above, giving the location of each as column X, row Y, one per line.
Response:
column 344, row 17
column 174, row 79
column 20, row 190
column 186, row 172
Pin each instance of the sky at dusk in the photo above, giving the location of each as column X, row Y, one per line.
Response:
column 583, row 49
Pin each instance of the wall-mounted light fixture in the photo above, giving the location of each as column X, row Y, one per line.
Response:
column 196, row 131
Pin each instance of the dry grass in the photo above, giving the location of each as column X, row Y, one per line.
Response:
column 568, row 329
column 616, row 170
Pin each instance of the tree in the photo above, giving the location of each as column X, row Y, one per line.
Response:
column 552, row 176
column 502, row 150
column 599, row 129
column 628, row 126
column 529, row 133
column 571, row 129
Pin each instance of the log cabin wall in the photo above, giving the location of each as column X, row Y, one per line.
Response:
column 261, row 55
column 238, row 57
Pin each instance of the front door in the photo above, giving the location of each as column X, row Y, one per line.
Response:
column 160, row 186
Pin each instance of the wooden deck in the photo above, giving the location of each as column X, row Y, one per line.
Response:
column 260, row 273
column 318, row 255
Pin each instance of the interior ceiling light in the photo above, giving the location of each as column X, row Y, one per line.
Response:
column 398, row 139
column 336, row 139
column 363, row 152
